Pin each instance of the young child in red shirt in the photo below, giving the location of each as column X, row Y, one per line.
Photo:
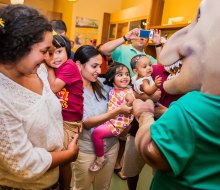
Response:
column 66, row 81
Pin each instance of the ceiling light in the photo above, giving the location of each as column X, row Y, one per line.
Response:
column 17, row 2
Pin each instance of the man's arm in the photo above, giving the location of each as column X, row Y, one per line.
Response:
column 157, row 42
column 109, row 47
column 144, row 112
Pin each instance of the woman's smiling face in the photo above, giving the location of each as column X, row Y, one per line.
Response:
column 91, row 69
column 31, row 62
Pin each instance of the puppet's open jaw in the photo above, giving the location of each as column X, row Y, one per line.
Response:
column 172, row 84
column 174, row 69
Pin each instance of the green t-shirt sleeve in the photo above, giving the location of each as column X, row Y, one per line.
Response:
column 117, row 53
column 174, row 137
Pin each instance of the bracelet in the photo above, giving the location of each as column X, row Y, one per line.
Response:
column 158, row 45
column 125, row 39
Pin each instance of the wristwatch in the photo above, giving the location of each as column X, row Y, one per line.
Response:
column 125, row 39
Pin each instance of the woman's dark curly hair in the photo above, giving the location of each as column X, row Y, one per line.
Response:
column 83, row 54
column 111, row 72
column 62, row 41
column 23, row 27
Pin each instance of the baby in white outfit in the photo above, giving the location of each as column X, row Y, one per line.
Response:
column 142, row 80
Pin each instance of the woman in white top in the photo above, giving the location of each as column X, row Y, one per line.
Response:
column 31, row 129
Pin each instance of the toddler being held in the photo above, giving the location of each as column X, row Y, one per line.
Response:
column 66, row 81
column 142, row 81
column 118, row 77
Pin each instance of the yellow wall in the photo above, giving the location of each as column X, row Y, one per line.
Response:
column 177, row 8
column 131, row 3
column 132, row 10
column 66, row 8
column 133, row 13
column 42, row 5
column 94, row 9
column 5, row 1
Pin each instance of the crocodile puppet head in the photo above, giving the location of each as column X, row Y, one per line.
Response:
column 196, row 49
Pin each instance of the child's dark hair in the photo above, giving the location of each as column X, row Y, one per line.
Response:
column 62, row 41
column 111, row 72
column 83, row 54
column 59, row 26
column 135, row 59
column 23, row 27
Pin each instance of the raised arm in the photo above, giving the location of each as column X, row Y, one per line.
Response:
column 157, row 42
column 149, row 90
column 56, row 84
column 108, row 47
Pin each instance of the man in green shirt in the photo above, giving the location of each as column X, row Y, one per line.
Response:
column 123, row 53
column 183, row 145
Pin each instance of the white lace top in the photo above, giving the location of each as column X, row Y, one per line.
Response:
column 30, row 127
column 137, row 83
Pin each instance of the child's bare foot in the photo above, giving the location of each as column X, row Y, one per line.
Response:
column 140, row 107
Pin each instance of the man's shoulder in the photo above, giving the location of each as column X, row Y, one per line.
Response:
column 123, row 47
column 120, row 50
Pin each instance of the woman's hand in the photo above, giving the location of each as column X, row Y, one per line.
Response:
column 73, row 147
column 124, row 109
column 65, row 156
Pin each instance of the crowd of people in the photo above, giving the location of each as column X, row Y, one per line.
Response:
column 60, row 121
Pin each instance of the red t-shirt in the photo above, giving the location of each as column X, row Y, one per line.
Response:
column 71, row 96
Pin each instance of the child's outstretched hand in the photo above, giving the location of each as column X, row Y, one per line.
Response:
column 158, row 81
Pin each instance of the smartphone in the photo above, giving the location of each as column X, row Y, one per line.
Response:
column 146, row 34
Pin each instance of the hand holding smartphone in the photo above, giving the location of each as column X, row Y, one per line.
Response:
column 146, row 34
